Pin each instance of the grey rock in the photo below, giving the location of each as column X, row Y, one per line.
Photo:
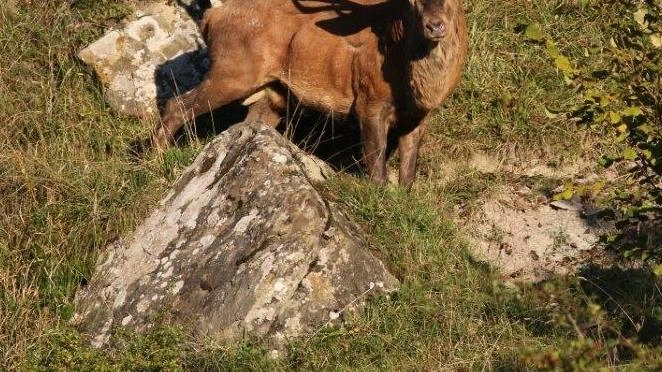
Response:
column 244, row 244
column 158, row 53
column 567, row 205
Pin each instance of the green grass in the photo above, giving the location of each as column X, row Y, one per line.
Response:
column 69, row 185
column 509, row 83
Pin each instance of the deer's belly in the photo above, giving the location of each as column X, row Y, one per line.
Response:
column 318, row 71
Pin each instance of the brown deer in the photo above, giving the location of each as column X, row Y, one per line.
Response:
column 389, row 63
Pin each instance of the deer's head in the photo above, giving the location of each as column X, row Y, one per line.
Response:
column 434, row 17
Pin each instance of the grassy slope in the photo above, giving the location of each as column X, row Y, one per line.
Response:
column 68, row 185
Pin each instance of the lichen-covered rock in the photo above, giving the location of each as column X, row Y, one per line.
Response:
column 158, row 53
column 244, row 244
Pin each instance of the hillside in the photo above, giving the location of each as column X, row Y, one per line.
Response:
column 560, row 101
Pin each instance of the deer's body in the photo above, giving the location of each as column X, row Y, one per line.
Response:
column 388, row 62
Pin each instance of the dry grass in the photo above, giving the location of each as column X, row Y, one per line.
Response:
column 68, row 183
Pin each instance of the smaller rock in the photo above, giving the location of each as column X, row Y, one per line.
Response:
column 158, row 53
column 567, row 205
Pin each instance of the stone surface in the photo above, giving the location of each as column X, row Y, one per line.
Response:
column 156, row 54
column 244, row 244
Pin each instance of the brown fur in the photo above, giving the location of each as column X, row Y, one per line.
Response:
column 374, row 59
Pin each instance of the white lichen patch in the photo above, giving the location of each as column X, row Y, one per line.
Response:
column 279, row 158
column 260, row 315
column 206, row 241
column 244, row 222
column 213, row 218
column 127, row 319
column 279, row 286
column 142, row 306
column 177, row 287
column 190, row 223
column 295, row 256
column 167, row 273
column 102, row 334
column 306, row 285
column 267, row 265
column 119, row 298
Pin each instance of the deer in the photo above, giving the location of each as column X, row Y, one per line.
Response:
column 389, row 63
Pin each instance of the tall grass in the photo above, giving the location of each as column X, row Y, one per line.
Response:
column 68, row 183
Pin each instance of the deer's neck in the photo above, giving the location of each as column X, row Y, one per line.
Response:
column 434, row 70
column 428, row 78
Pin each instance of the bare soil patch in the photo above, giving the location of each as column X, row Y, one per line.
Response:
column 527, row 235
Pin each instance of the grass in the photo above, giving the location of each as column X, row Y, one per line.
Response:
column 509, row 84
column 69, row 185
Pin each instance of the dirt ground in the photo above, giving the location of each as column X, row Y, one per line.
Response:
column 529, row 236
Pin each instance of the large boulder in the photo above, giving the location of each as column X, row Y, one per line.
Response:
column 244, row 244
column 157, row 53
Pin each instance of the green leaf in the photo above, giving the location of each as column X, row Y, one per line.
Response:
column 629, row 154
column 614, row 117
column 563, row 64
column 552, row 49
column 646, row 129
column 533, row 32
column 592, row 94
column 566, row 194
column 605, row 100
column 657, row 270
column 632, row 111
column 568, row 81
column 622, row 128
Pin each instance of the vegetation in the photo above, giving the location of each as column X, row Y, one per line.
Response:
column 69, row 184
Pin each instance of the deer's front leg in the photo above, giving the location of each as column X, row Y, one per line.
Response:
column 374, row 135
column 408, row 145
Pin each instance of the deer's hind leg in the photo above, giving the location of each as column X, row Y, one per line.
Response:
column 270, row 109
column 220, row 87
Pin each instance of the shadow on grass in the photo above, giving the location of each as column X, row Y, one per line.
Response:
column 631, row 296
